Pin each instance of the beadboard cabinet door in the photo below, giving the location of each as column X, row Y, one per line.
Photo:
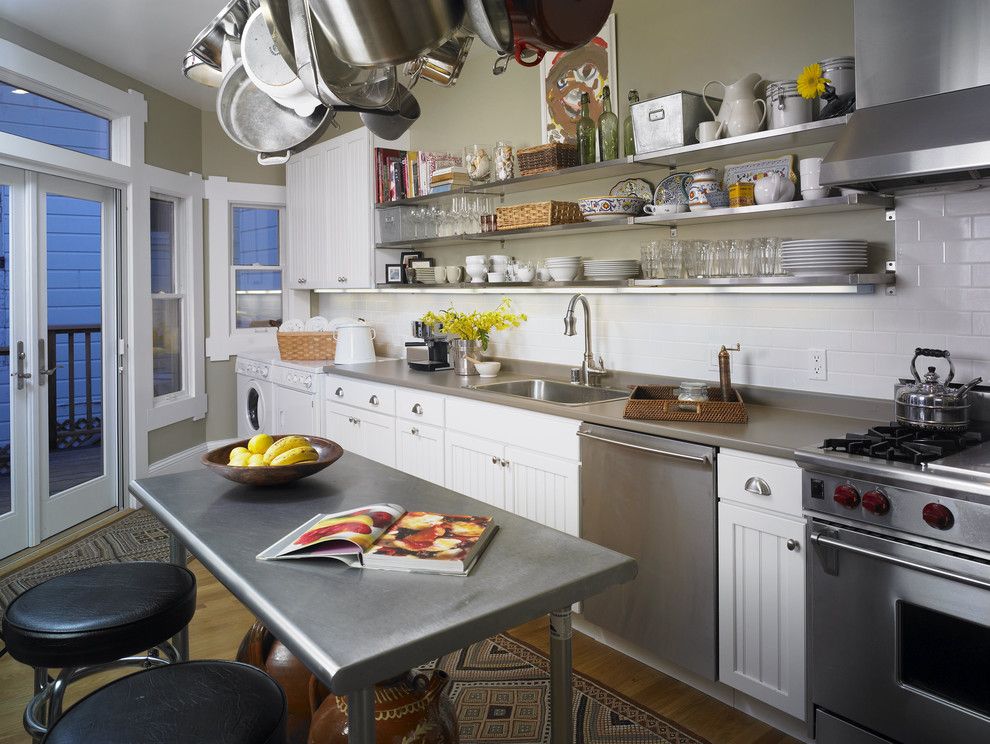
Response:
column 419, row 451
column 474, row 467
column 377, row 437
column 543, row 488
column 762, row 606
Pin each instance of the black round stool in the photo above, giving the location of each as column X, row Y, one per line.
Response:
column 195, row 702
column 92, row 620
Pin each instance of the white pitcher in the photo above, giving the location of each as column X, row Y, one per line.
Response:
column 739, row 105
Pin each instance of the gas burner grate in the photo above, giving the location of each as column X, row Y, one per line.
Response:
column 903, row 443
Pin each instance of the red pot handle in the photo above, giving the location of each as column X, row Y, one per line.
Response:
column 522, row 46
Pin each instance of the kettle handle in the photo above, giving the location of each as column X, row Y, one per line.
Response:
column 704, row 96
column 935, row 354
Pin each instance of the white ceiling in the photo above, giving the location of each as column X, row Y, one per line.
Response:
column 141, row 38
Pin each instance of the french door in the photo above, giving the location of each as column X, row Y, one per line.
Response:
column 59, row 459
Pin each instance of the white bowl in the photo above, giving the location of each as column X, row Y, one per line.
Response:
column 488, row 369
column 525, row 274
column 496, row 276
column 562, row 274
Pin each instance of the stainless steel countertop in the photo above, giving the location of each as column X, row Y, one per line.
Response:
column 772, row 430
column 353, row 627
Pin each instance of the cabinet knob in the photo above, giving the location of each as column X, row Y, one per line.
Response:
column 339, row 392
column 494, row 460
column 504, row 463
column 414, row 431
column 301, row 280
column 793, row 545
column 373, row 400
column 417, row 409
column 757, row 486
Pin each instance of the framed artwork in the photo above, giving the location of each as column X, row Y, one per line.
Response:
column 404, row 258
column 564, row 76
column 395, row 274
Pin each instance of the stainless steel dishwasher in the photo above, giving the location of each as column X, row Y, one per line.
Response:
column 653, row 498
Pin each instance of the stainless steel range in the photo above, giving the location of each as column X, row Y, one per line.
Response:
column 899, row 586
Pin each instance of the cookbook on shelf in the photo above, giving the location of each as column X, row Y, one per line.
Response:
column 386, row 536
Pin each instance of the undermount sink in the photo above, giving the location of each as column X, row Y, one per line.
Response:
column 550, row 391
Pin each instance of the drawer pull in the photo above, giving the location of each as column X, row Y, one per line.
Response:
column 414, row 431
column 793, row 545
column 494, row 460
column 758, row 486
column 339, row 392
column 373, row 400
column 504, row 463
column 417, row 409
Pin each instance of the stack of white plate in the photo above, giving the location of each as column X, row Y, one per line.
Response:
column 564, row 268
column 823, row 256
column 611, row 269
column 427, row 275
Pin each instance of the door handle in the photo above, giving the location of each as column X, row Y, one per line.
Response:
column 20, row 374
column 758, row 486
column 694, row 458
column 44, row 374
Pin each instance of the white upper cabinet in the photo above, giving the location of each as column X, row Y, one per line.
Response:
column 330, row 213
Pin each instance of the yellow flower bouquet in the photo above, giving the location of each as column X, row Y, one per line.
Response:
column 476, row 325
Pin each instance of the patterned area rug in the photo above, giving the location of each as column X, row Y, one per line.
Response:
column 137, row 537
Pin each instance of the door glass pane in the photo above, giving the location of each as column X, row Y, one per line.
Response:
column 166, row 344
column 255, row 236
column 27, row 114
column 162, row 246
column 75, row 341
column 258, row 298
column 5, row 381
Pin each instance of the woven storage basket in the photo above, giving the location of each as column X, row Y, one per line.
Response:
column 546, row 158
column 538, row 214
column 306, row 345
column 659, row 403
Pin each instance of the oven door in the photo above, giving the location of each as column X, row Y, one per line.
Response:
column 900, row 637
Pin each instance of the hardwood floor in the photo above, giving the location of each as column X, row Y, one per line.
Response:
column 221, row 620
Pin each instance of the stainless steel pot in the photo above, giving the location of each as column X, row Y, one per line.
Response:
column 366, row 33
column 392, row 121
column 444, row 64
column 229, row 23
column 930, row 403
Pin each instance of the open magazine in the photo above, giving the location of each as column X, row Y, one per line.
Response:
column 387, row 536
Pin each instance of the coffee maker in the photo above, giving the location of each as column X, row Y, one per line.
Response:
column 432, row 352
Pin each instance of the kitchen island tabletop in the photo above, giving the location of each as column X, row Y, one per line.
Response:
column 352, row 627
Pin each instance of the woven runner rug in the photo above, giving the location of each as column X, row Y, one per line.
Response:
column 500, row 686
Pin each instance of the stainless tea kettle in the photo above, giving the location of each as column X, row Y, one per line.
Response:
column 930, row 403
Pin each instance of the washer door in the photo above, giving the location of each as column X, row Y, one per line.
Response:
column 254, row 408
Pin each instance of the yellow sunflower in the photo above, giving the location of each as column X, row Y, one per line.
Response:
column 810, row 83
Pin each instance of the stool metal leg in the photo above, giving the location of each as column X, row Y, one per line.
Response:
column 177, row 555
column 40, row 682
column 361, row 716
column 561, row 704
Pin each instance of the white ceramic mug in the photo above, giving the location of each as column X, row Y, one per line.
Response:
column 811, row 171
column 709, row 131
column 453, row 274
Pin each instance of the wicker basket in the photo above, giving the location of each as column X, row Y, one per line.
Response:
column 538, row 214
column 306, row 345
column 546, row 158
column 659, row 403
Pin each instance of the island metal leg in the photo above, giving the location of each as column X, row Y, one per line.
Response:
column 361, row 716
column 177, row 555
column 561, row 705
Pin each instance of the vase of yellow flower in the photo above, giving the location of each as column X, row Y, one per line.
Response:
column 472, row 331
column 812, row 83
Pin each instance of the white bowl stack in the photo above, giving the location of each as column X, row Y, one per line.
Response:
column 819, row 256
column 607, row 270
column 564, row 268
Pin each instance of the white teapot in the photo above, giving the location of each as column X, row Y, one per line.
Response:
column 739, row 105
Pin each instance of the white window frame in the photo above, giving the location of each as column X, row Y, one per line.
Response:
column 186, row 192
column 222, row 195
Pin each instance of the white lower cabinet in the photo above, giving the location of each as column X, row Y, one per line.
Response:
column 296, row 412
column 762, row 606
column 370, row 435
column 419, row 451
column 474, row 468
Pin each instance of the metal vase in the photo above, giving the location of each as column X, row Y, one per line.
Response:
column 460, row 350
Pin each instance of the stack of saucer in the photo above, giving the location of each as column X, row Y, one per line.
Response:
column 564, row 268
column 427, row 275
column 823, row 256
column 605, row 270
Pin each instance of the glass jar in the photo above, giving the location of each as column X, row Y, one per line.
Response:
column 478, row 162
column 504, row 168
column 694, row 392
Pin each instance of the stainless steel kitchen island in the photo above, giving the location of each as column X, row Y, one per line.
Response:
column 353, row 628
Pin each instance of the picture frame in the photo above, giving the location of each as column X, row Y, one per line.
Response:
column 395, row 274
column 561, row 86
column 404, row 258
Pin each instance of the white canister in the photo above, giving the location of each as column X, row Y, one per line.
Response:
column 841, row 74
column 355, row 344
column 785, row 106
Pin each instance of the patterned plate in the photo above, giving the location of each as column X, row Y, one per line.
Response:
column 633, row 187
column 671, row 189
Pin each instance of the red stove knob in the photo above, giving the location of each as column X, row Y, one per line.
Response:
column 876, row 502
column 937, row 516
column 846, row 495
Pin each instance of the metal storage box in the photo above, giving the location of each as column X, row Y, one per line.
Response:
column 393, row 224
column 668, row 121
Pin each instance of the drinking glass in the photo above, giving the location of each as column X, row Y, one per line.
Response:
column 650, row 257
column 672, row 258
column 432, row 216
column 744, row 257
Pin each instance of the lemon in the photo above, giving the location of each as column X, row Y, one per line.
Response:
column 256, row 460
column 237, row 452
column 240, row 460
column 259, row 443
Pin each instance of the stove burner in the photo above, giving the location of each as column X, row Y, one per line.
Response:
column 903, row 443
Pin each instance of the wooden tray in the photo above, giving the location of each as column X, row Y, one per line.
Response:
column 659, row 403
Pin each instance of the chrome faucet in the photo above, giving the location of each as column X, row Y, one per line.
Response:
column 590, row 372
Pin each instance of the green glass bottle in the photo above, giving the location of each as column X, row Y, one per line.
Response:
column 628, row 140
column 608, row 129
column 585, row 133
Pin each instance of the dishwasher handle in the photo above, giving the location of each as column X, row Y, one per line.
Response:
column 653, row 450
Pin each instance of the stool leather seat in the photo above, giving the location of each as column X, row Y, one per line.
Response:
column 99, row 614
column 192, row 702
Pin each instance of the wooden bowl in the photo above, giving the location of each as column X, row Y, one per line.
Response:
column 272, row 475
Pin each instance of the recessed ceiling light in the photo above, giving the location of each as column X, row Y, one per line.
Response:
column 18, row 91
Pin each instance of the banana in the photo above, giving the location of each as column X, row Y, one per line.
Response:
column 284, row 445
column 295, row 455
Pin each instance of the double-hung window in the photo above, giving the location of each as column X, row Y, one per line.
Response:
column 167, row 300
column 256, row 267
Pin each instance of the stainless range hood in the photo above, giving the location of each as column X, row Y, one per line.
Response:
column 923, row 96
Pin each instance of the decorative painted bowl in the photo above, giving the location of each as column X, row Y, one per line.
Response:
column 610, row 207
column 272, row 475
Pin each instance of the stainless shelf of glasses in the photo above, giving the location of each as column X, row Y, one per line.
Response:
column 844, row 203
column 830, row 283
column 553, row 231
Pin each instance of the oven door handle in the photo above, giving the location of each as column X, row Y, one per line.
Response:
column 822, row 539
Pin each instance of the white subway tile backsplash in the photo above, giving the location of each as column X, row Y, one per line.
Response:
column 981, row 275
column 923, row 206
column 976, row 202
column 930, row 251
column 981, row 324
column 944, row 275
column 946, row 321
column 981, row 226
column 967, row 251
column 945, row 228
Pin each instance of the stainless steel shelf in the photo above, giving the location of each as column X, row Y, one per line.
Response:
column 769, row 141
column 553, row 231
column 762, row 211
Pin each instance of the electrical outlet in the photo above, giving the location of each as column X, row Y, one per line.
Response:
column 817, row 364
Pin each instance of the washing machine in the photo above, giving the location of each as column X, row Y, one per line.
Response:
column 298, row 389
column 255, row 397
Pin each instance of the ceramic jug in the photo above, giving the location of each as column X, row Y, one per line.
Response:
column 699, row 185
column 741, row 111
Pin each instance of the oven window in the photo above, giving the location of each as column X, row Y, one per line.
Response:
column 945, row 656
